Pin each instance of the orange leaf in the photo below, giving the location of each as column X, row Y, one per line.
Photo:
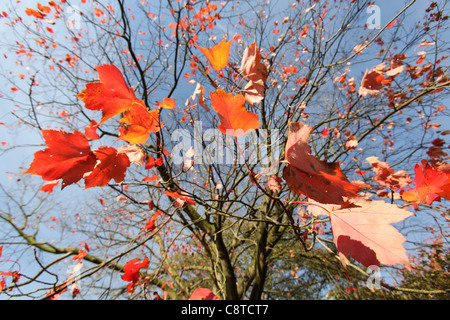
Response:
column 141, row 123
column 34, row 13
column 111, row 95
column 168, row 103
column 218, row 54
column 235, row 120
column 68, row 157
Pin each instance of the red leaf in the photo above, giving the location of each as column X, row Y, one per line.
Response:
column 179, row 196
column 371, row 83
column 150, row 226
column 111, row 165
column 235, row 120
column 150, row 163
column 131, row 269
column 68, row 157
column 48, row 187
column 430, row 185
column 317, row 179
column 391, row 24
column 203, row 294
column 90, row 131
column 34, row 13
column 80, row 256
column 152, row 178
column 112, row 95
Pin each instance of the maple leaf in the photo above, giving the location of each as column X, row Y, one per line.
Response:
column 131, row 269
column 203, row 294
column 181, row 198
column 111, row 165
column 48, row 187
column 235, row 120
column 256, row 72
column 218, row 54
column 150, row 225
column 34, row 13
column 68, row 157
column 365, row 233
column 111, row 95
column 430, row 185
column 374, row 80
column 305, row 174
column 140, row 123
column 90, row 131
column 167, row 103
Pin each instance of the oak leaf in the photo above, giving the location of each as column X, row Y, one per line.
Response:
column 305, row 174
column 235, row 120
column 68, row 157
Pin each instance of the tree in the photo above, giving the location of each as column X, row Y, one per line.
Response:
column 203, row 144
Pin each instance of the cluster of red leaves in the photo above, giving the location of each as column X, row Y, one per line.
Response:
column 378, row 78
column 431, row 183
column 387, row 177
column 70, row 158
column 113, row 96
column 361, row 228
column 15, row 275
